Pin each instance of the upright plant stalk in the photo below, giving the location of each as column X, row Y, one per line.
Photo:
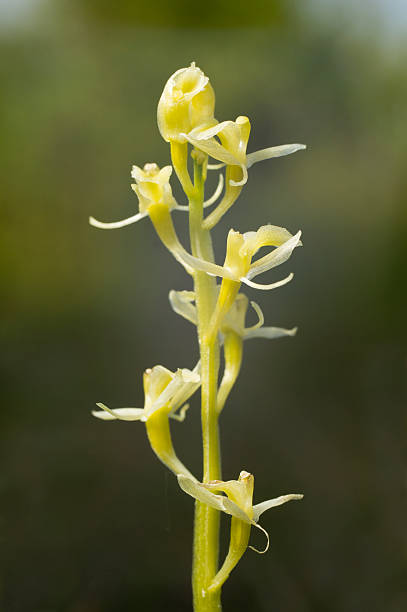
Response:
column 207, row 519
column 185, row 117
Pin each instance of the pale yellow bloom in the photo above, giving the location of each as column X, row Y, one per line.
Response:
column 152, row 187
column 238, row 502
column 240, row 250
column 227, row 142
column 230, row 148
column 161, row 388
column 165, row 392
column 183, row 303
column 187, row 102
column 239, row 496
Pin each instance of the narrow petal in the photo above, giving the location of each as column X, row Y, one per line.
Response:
column 278, row 256
column 181, row 303
column 253, row 158
column 216, row 193
column 258, row 509
column 210, row 200
column 219, row 502
column 117, row 224
column 205, row 266
column 269, row 332
column 259, row 323
column 123, row 414
column 261, row 552
column 180, row 416
column 205, row 134
column 250, row 283
column 215, row 166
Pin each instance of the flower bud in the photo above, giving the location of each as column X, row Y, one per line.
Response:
column 187, row 102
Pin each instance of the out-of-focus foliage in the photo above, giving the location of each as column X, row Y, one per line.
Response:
column 91, row 520
column 183, row 13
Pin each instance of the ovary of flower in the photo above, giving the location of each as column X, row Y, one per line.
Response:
column 164, row 393
column 238, row 503
column 152, row 186
column 187, row 102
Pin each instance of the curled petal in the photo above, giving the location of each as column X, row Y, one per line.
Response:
column 261, row 552
column 180, row 416
column 280, row 283
column 123, row 414
column 216, row 193
column 244, row 179
column 260, row 315
column 253, row 158
column 117, row 224
column 210, row 200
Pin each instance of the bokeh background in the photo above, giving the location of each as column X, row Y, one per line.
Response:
column 90, row 521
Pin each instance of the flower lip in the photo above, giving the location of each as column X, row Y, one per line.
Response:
column 186, row 83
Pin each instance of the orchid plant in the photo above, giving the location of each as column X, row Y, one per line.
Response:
column 218, row 310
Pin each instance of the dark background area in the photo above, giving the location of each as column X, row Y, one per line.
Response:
column 90, row 520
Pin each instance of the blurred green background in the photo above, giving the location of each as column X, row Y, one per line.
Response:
column 90, row 521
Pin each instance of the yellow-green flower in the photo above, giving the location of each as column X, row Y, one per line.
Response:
column 227, row 143
column 153, row 186
column 187, row 102
column 161, row 388
column 238, row 502
column 240, row 250
column 164, row 393
column 239, row 496
column 183, row 303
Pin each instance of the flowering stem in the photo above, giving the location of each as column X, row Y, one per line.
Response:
column 206, row 529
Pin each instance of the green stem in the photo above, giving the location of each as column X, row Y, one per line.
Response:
column 206, row 528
